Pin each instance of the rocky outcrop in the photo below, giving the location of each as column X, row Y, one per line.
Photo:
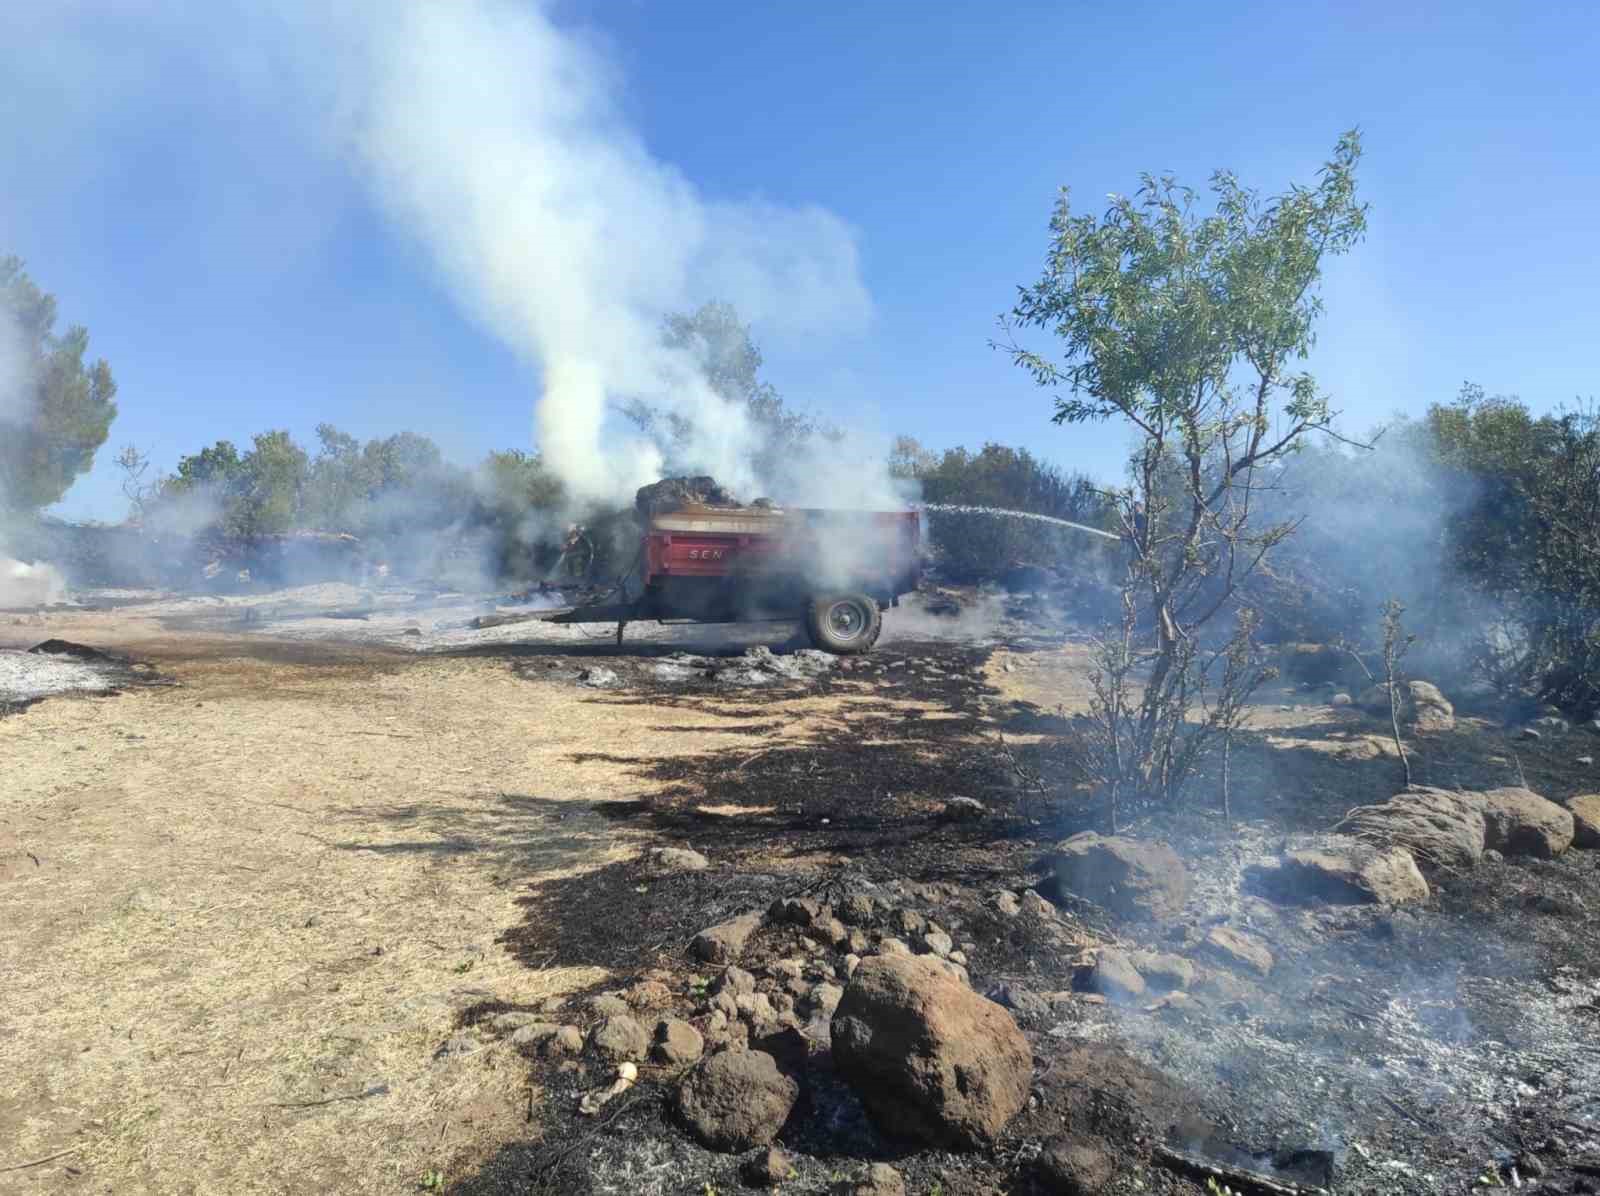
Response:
column 1129, row 877
column 737, row 1100
column 1585, row 811
column 1115, row 976
column 930, row 1058
column 1346, row 870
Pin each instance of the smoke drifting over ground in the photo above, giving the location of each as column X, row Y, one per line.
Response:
column 497, row 140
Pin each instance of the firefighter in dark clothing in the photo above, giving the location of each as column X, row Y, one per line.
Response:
column 577, row 554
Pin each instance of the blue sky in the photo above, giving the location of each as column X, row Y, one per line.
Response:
column 240, row 276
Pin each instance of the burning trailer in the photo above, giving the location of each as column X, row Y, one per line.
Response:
column 703, row 558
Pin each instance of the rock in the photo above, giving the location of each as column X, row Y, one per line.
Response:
column 1238, row 949
column 939, row 943
column 734, row 980
column 597, row 677
column 1553, row 723
column 767, row 1169
column 824, row 999
column 858, row 909
column 1162, row 972
column 515, row 1020
column 959, row 957
column 858, row 943
column 851, row 963
column 1346, row 870
column 930, row 1059
column 1023, row 1002
column 1340, row 699
column 963, row 809
column 1585, row 760
column 1073, row 1165
column 1421, row 705
column 1520, row 822
column 725, row 943
column 679, row 859
column 736, row 1100
column 1585, row 810
column 829, row 930
column 609, row 1005
column 950, row 968
column 620, row 1039
column 1439, row 827
column 1115, row 977
column 880, row 1180
column 786, row 969
column 908, row 922
column 1129, row 877
column 1528, row 733
column 893, row 946
column 456, row 1044
column 1006, row 902
column 648, row 994
column 1035, row 906
column 533, row 1034
column 795, row 911
column 568, row 1040
column 1491, row 856
column 677, row 1043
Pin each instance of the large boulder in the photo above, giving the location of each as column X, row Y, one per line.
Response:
column 1346, row 870
column 1421, row 705
column 1585, row 810
column 1438, row 827
column 1129, row 877
column 931, row 1059
column 736, row 1100
column 1520, row 822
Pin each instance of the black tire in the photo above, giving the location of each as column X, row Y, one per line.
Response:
column 844, row 624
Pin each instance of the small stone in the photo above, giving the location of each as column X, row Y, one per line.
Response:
column 830, row 931
column 679, row 859
column 1491, row 856
column 1585, row 760
column 1116, row 977
column 786, row 969
column 677, row 1043
column 1036, row 906
column 456, row 1044
column 1340, row 699
column 726, row 942
column 648, row 994
column 755, row 1009
column 798, row 989
column 858, row 943
column 620, row 1039
column 858, row 909
column 908, row 922
column 533, row 1034
column 609, row 1005
column 1585, row 810
column 824, row 999
column 893, row 946
column 851, row 963
column 938, row 943
column 783, row 1003
column 1238, row 949
column 963, row 809
column 717, row 1022
column 1074, row 1166
column 959, row 957
column 1529, row 733
column 794, row 911
column 880, row 1180
column 597, row 678
column 514, row 1019
column 1006, row 902
column 733, row 980
column 767, row 1168
column 1022, row 1001
column 568, row 1040
column 1163, row 972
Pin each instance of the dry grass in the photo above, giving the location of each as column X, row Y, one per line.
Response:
column 276, row 886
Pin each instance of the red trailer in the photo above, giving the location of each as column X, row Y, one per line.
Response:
column 834, row 570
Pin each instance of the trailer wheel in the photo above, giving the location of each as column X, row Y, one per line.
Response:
column 844, row 624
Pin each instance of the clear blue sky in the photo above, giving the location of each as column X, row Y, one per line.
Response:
column 239, row 278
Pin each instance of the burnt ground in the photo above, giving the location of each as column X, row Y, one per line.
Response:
column 1429, row 1049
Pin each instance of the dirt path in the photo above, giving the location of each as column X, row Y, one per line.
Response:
column 240, row 915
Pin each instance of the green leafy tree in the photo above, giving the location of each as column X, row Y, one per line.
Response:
column 1187, row 327
column 55, row 408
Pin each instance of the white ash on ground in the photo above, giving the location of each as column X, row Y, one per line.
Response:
column 58, row 667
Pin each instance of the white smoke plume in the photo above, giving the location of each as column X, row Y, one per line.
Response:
column 498, row 140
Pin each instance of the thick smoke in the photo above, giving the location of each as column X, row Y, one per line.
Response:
column 497, row 139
